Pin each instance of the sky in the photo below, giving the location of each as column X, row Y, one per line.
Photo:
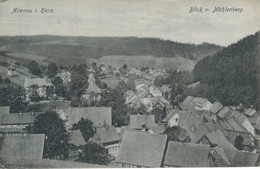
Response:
column 165, row 19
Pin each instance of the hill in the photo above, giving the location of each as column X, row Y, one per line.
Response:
column 233, row 73
column 78, row 48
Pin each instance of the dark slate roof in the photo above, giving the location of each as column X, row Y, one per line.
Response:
column 98, row 115
column 76, row 138
column 187, row 155
column 142, row 149
column 4, row 110
column 105, row 134
column 23, row 147
column 241, row 158
column 17, row 118
column 136, row 121
column 218, row 138
column 216, row 107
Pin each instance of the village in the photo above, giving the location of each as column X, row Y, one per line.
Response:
column 123, row 117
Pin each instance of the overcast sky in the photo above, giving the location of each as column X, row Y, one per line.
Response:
column 142, row 18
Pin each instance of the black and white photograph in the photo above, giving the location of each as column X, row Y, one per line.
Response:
column 129, row 83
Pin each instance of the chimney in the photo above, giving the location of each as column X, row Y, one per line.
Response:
column 20, row 113
column 192, row 128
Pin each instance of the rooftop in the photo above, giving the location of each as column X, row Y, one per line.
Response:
column 106, row 134
column 136, row 121
column 98, row 115
column 142, row 149
column 23, row 147
column 187, row 155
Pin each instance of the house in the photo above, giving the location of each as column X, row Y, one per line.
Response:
column 76, row 145
column 155, row 91
column 157, row 129
column 159, row 102
column 218, row 157
column 141, row 149
column 186, row 155
column 215, row 108
column 166, row 91
column 222, row 157
column 109, row 138
column 38, row 84
column 142, row 121
column 241, row 158
column 195, row 103
column 216, row 138
column 10, row 71
column 242, row 120
column 172, row 118
column 250, row 112
column 65, row 76
column 23, row 147
column 93, row 91
column 15, row 123
column 225, row 112
column 98, row 115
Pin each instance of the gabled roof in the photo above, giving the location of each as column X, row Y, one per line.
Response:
column 161, row 100
column 220, row 151
column 136, row 121
column 170, row 115
column 240, row 118
column 158, row 129
column 250, row 112
column 241, row 158
column 231, row 124
column 225, row 112
column 105, row 134
column 187, row 155
column 217, row 138
column 98, row 115
column 34, row 81
column 190, row 102
column 17, row 118
column 4, row 110
column 142, row 149
column 92, row 86
column 23, row 147
column 76, row 138
column 188, row 120
column 216, row 107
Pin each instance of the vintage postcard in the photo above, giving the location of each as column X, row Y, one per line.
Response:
column 129, row 83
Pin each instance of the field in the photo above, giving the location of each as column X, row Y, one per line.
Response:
column 148, row 61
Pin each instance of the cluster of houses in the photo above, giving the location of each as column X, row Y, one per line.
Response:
column 215, row 135
column 149, row 96
column 210, row 136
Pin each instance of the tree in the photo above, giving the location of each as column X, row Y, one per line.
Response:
column 239, row 142
column 34, row 96
column 86, row 128
column 159, row 114
column 95, row 153
column 34, row 68
column 131, row 85
column 59, row 88
column 56, row 135
column 52, row 70
column 176, row 133
column 12, row 95
column 124, row 66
